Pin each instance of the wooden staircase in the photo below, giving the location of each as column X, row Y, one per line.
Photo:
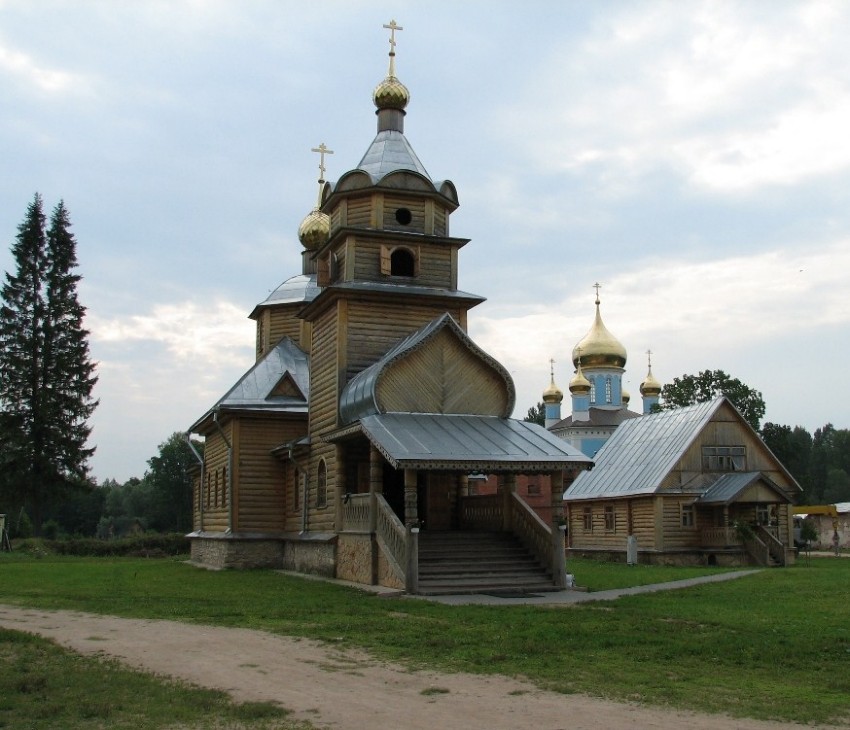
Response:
column 478, row 562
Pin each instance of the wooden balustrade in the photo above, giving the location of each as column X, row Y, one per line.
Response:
column 356, row 513
column 392, row 537
column 483, row 512
column 535, row 534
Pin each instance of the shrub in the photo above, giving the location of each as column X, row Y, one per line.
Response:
column 148, row 546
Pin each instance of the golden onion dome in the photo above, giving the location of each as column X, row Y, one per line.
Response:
column 391, row 94
column 553, row 394
column 626, row 397
column 579, row 385
column 650, row 386
column 599, row 347
column 314, row 230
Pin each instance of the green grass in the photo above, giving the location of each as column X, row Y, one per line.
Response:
column 775, row 645
column 598, row 575
column 43, row 687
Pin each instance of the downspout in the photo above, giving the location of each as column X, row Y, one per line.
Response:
column 202, row 462
column 304, row 474
column 227, row 443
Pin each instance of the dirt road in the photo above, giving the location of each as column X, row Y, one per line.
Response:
column 344, row 689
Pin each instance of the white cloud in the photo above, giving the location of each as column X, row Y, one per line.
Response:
column 31, row 73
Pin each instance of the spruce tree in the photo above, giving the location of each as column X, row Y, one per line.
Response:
column 46, row 375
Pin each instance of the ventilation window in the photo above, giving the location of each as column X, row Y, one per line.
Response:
column 403, row 216
column 402, row 263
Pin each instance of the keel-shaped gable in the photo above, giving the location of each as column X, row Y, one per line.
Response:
column 438, row 369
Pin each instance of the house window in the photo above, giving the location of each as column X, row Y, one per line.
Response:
column 724, row 458
column 533, row 489
column 224, row 486
column 762, row 514
column 688, row 516
column 215, row 490
column 296, row 491
column 610, row 521
column 587, row 519
column 322, row 485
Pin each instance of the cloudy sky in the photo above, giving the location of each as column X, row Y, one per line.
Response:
column 692, row 157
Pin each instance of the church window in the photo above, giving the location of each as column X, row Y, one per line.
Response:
column 215, row 490
column 593, row 391
column 296, row 491
column 587, row 519
column 688, row 516
column 403, row 216
column 224, row 486
column 533, row 488
column 608, row 397
column 402, row 263
column 724, row 458
column 610, row 520
column 207, row 489
column 322, row 485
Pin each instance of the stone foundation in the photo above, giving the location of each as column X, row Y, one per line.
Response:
column 314, row 554
column 356, row 558
column 219, row 551
column 720, row 558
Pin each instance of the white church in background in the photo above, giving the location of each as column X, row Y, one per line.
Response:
column 599, row 402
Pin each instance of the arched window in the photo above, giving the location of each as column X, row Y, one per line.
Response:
column 402, row 263
column 608, row 396
column 322, row 485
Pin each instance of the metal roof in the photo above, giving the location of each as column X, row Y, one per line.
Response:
column 598, row 417
column 641, row 452
column 727, row 488
column 358, row 398
column 468, row 443
column 255, row 390
column 390, row 151
column 301, row 288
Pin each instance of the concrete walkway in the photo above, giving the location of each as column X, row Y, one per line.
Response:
column 556, row 598
column 568, row 597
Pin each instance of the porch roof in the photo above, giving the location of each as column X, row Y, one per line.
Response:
column 468, row 443
column 729, row 487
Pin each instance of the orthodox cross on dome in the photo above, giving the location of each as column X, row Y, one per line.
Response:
column 597, row 286
column 323, row 150
column 552, row 368
column 392, row 27
column 649, row 359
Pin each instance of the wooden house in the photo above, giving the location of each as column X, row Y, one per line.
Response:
column 690, row 485
column 346, row 449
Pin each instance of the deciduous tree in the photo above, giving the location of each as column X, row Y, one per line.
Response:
column 691, row 389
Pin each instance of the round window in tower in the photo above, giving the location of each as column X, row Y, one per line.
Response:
column 403, row 216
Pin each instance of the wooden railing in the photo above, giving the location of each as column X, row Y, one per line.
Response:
column 719, row 537
column 757, row 549
column 392, row 537
column 484, row 512
column 775, row 546
column 356, row 513
column 535, row 534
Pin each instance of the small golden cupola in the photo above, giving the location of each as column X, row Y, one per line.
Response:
column 599, row 348
column 315, row 229
column 579, row 385
column 650, row 386
column 552, row 394
column 391, row 93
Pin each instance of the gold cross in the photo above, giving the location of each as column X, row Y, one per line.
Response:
column 322, row 150
column 552, row 368
column 392, row 27
column 649, row 358
column 597, row 286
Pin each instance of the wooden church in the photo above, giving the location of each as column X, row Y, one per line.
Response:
column 346, row 450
